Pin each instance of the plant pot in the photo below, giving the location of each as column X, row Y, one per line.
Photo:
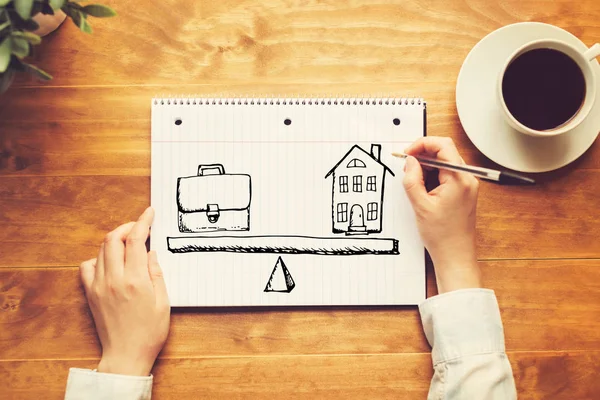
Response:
column 48, row 23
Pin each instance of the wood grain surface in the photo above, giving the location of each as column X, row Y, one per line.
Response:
column 44, row 306
column 557, row 376
column 75, row 158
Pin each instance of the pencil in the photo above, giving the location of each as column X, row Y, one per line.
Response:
column 502, row 177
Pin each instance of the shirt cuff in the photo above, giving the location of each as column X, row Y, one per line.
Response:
column 462, row 323
column 88, row 384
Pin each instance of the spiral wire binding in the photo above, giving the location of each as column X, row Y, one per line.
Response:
column 287, row 101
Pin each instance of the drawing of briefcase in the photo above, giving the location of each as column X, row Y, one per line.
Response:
column 214, row 200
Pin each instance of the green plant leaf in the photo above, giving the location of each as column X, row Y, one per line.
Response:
column 4, row 54
column 74, row 5
column 99, row 11
column 6, row 79
column 33, row 70
column 23, row 8
column 20, row 47
column 56, row 4
column 4, row 2
column 4, row 25
column 74, row 14
column 85, row 26
column 32, row 38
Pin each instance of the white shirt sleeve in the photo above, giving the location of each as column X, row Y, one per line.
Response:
column 91, row 385
column 465, row 332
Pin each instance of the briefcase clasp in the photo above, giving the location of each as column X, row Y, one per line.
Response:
column 213, row 213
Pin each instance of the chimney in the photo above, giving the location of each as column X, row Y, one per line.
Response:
column 376, row 151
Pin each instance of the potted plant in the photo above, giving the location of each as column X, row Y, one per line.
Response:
column 22, row 20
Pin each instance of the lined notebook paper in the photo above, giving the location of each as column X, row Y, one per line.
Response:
column 285, row 201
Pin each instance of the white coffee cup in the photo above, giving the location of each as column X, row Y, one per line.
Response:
column 583, row 60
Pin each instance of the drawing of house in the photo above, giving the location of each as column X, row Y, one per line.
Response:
column 358, row 187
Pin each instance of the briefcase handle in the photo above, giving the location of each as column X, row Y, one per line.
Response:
column 202, row 168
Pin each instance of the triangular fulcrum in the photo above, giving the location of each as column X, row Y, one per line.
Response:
column 280, row 280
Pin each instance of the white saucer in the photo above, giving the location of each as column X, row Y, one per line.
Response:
column 481, row 116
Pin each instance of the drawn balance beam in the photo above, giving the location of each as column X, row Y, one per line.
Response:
column 326, row 246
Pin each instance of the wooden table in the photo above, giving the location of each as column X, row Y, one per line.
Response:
column 75, row 163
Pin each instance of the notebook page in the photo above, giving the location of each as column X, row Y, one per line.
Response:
column 298, row 202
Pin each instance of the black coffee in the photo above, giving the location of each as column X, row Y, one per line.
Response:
column 543, row 88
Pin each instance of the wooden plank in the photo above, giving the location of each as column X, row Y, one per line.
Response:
column 60, row 221
column 275, row 41
column 42, row 306
column 555, row 375
column 552, row 219
column 284, row 244
column 106, row 131
column 546, row 305
column 87, row 147
column 57, row 220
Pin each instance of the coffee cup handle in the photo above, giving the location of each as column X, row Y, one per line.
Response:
column 592, row 52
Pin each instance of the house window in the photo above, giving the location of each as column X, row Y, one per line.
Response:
column 371, row 186
column 342, row 212
column 343, row 184
column 357, row 183
column 355, row 163
column 372, row 212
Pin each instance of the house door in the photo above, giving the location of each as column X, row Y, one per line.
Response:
column 357, row 221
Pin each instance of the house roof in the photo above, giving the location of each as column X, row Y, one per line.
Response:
column 363, row 150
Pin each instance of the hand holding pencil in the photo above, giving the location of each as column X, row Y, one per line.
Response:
column 502, row 177
column 445, row 215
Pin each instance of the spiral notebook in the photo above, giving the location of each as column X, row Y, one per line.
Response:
column 267, row 202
